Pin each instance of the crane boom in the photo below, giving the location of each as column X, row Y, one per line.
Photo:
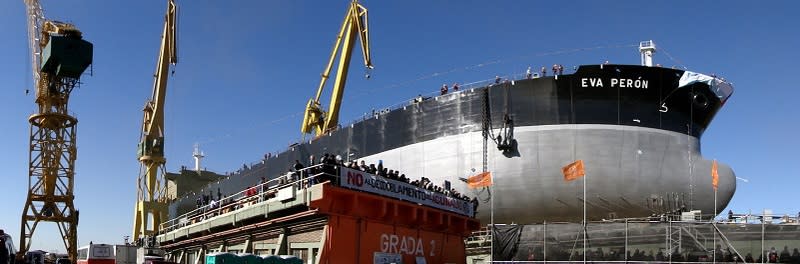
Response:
column 151, row 189
column 35, row 21
column 354, row 25
column 59, row 56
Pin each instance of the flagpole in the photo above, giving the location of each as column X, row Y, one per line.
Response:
column 714, row 182
column 491, row 219
column 484, row 180
column 572, row 172
column 715, row 203
column 714, row 223
column 584, row 218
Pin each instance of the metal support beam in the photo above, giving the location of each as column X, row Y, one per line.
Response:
column 283, row 244
column 201, row 255
column 223, row 247
column 179, row 260
column 248, row 245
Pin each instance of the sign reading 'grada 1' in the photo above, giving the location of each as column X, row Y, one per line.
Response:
column 408, row 245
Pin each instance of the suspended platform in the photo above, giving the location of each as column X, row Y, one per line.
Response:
column 357, row 218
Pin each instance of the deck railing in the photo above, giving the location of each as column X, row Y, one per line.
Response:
column 315, row 174
column 258, row 193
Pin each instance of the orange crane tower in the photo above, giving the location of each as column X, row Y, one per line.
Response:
column 59, row 56
column 151, row 201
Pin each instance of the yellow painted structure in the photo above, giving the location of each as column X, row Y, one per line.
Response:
column 151, row 204
column 59, row 56
column 355, row 24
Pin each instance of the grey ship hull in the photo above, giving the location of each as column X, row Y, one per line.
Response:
column 640, row 144
column 631, row 172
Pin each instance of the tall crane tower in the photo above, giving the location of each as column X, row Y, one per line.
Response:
column 355, row 24
column 151, row 204
column 59, row 56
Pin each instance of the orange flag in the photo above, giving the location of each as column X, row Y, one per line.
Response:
column 573, row 170
column 483, row 179
column 714, row 175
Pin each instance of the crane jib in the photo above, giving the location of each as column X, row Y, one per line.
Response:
column 354, row 26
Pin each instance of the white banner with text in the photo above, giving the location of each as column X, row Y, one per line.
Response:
column 359, row 180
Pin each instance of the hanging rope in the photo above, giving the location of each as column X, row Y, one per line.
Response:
column 487, row 122
column 504, row 140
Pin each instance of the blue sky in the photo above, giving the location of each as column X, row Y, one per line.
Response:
column 247, row 68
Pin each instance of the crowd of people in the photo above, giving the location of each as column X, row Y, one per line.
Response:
column 330, row 166
column 444, row 88
column 557, row 69
column 300, row 175
column 423, row 183
column 204, row 200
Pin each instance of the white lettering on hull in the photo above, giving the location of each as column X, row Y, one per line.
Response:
column 616, row 83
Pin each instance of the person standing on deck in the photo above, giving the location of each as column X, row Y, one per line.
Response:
column 262, row 190
column 298, row 168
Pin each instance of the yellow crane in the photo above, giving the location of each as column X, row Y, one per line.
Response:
column 152, row 200
column 59, row 56
column 355, row 24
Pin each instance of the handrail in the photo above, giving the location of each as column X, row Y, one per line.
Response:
column 410, row 101
column 260, row 189
column 301, row 179
column 436, row 93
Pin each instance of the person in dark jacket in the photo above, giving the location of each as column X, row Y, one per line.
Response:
column 3, row 249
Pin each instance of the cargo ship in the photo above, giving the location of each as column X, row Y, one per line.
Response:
column 637, row 128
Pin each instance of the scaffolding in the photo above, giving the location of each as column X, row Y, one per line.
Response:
column 742, row 238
